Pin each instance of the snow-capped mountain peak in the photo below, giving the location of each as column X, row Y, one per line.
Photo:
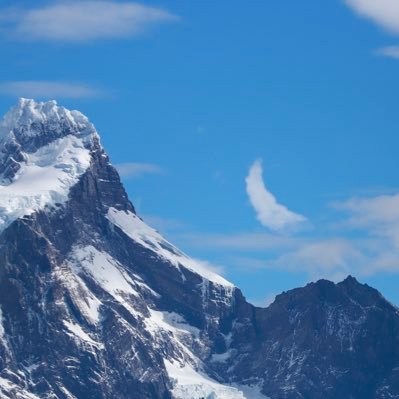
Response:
column 27, row 119
column 107, row 271
column 44, row 149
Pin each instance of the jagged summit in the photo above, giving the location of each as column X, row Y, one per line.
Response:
column 44, row 149
column 30, row 126
column 350, row 280
column 343, row 293
column 30, row 119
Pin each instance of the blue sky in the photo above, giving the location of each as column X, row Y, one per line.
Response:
column 196, row 101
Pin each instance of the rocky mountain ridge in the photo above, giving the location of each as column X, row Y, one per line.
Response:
column 96, row 304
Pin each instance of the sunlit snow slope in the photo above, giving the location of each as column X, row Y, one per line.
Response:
column 38, row 167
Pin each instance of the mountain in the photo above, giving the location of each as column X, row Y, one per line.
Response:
column 94, row 303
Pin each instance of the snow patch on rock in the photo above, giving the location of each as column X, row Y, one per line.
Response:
column 44, row 179
column 77, row 332
column 186, row 373
column 10, row 390
column 3, row 336
column 149, row 238
column 106, row 271
column 82, row 297
column 172, row 322
column 67, row 394
column 2, row 331
column 191, row 384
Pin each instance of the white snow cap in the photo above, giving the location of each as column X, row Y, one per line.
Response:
column 53, row 150
column 29, row 112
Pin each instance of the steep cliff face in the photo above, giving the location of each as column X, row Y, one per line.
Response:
column 96, row 304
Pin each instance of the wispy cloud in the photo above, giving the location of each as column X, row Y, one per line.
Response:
column 48, row 89
column 330, row 258
column 365, row 242
column 131, row 170
column 388, row 51
column 268, row 211
column 378, row 216
column 385, row 13
column 84, row 21
column 372, row 245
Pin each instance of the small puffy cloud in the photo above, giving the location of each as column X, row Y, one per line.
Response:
column 136, row 169
column 268, row 211
column 47, row 89
column 385, row 13
column 83, row 21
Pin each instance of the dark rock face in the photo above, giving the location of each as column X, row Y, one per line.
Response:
column 322, row 341
column 69, row 330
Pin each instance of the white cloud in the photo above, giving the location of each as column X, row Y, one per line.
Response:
column 47, row 89
column 336, row 258
column 135, row 169
column 378, row 216
column 389, row 51
column 85, row 21
column 383, row 12
column 370, row 248
column 365, row 241
column 331, row 258
column 269, row 212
